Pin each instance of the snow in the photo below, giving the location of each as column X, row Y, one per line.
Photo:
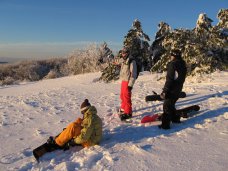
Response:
column 31, row 112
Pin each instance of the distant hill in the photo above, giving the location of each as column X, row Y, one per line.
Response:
column 4, row 60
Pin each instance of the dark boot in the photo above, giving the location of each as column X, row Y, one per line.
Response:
column 184, row 115
column 165, row 123
column 120, row 111
column 176, row 119
column 125, row 116
column 164, row 126
column 52, row 144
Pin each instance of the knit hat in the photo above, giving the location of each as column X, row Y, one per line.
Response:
column 85, row 105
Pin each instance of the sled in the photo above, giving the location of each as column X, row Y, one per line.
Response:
column 184, row 113
column 156, row 97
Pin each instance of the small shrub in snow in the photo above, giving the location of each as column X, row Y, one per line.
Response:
column 52, row 74
column 85, row 60
column 33, row 70
column 7, row 81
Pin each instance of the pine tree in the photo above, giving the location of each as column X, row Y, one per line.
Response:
column 204, row 48
column 106, row 55
column 137, row 43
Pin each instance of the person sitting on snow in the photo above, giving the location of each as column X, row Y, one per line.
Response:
column 85, row 132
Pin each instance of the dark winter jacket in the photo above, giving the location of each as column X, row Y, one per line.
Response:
column 176, row 73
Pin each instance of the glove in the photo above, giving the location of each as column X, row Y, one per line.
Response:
column 51, row 140
column 163, row 95
column 69, row 144
column 129, row 88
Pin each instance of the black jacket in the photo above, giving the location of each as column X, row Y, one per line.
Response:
column 176, row 73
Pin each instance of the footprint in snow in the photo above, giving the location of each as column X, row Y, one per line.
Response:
column 12, row 158
column 32, row 104
column 39, row 132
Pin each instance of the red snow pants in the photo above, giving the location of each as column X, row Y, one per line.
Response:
column 125, row 96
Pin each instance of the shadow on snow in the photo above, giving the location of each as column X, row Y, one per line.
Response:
column 127, row 133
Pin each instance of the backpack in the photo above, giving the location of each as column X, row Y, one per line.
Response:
column 139, row 64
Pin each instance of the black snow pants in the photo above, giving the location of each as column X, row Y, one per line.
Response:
column 169, row 112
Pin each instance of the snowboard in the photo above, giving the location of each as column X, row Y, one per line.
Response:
column 43, row 149
column 47, row 148
column 51, row 145
column 156, row 97
column 184, row 113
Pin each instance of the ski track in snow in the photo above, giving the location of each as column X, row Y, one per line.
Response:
column 29, row 118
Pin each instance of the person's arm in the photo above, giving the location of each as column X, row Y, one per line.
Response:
column 78, row 121
column 170, row 77
column 85, row 132
column 133, row 73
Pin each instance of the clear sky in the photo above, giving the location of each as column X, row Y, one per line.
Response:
column 41, row 28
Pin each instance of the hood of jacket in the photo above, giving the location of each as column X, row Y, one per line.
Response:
column 91, row 111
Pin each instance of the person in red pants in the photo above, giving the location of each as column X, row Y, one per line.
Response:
column 128, row 75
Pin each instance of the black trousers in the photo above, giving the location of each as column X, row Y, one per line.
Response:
column 169, row 111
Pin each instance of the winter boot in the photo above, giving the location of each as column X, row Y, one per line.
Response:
column 165, row 123
column 176, row 119
column 125, row 116
column 121, row 111
column 184, row 114
column 164, row 126
column 52, row 144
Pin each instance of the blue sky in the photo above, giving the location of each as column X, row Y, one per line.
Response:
column 41, row 28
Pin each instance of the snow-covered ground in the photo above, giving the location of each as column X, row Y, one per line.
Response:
column 31, row 112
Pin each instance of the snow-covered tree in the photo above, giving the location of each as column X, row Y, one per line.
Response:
column 137, row 43
column 85, row 60
column 204, row 48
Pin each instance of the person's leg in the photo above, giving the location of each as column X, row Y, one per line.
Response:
column 72, row 130
column 122, row 105
column 127, row 99
column 166, row 117
column 174, row 117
